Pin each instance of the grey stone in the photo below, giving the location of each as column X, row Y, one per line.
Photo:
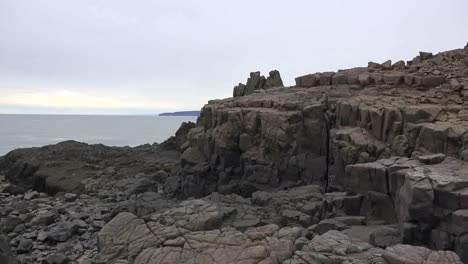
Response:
column 425, row 55
column 25, row 245
column 399, row 65
column 43, row 219
column 9, row 223
column 57, row 258
column 387, row 65
column 384, row 237
column 31, row 195
column 432, row 159
column 62, row 231
column 70, row 197
column 373, row 65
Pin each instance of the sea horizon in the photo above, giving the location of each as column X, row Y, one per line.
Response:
column 37, row 130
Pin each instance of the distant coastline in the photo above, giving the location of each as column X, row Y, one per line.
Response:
column 181, row 113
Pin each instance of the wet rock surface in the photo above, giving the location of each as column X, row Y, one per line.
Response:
column 365, row 165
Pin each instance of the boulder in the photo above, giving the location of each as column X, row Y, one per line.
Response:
column 432, row 159
column 309, row 80
column 373, row 65
column 25, row 245
column 432, row 81
column 62, row 231
column 58, row 258
column 43, row 219
column 387, row 65
column 274, row 79
column 399, row 65
column 385, row 237
column 425, row 55
column 9, row 223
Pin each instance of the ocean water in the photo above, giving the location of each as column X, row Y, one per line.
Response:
column 22, row 131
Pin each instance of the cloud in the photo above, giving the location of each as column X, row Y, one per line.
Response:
column 182, row 53
column 73, row 99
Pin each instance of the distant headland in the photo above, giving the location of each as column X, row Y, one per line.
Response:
column 182, row 113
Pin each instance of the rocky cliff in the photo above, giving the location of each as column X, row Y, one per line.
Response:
column 369, row 132
column 365, row 165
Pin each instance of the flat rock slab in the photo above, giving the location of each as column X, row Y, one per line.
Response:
column 432, row 159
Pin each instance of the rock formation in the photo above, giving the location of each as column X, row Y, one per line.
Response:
column 358, row 131
column 365, row 165
column 257, row 82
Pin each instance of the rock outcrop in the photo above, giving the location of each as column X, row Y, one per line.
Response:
column 78, row 167
column 129, row 239
column 365, row 165
column 258, row 82
column 384, row 116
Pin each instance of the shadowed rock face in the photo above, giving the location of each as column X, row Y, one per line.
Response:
column 6, row 256
column 78, row 167
column 308, row 133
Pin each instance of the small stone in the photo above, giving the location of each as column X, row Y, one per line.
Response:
column 80, row 223
column 84, row 196
column 43, row 219
column 9, row 223
column 57, row 258
column 31, row 195
column 25, row 245
column 432, row 159
column 42, row 236
column 99, row 224
column 26, row 217
column 19, row 228
column 62, row 231
column 70, row 197
column 455, row 85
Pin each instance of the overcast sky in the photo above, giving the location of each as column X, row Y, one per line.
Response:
column 144, row 57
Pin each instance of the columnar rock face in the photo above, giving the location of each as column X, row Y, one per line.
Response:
column 427, row 201
column 316, row 131
column 257, row 142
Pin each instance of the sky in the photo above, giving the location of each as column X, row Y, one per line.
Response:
column 146, row 57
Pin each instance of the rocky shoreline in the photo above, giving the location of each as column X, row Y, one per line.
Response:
column 365, row 165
